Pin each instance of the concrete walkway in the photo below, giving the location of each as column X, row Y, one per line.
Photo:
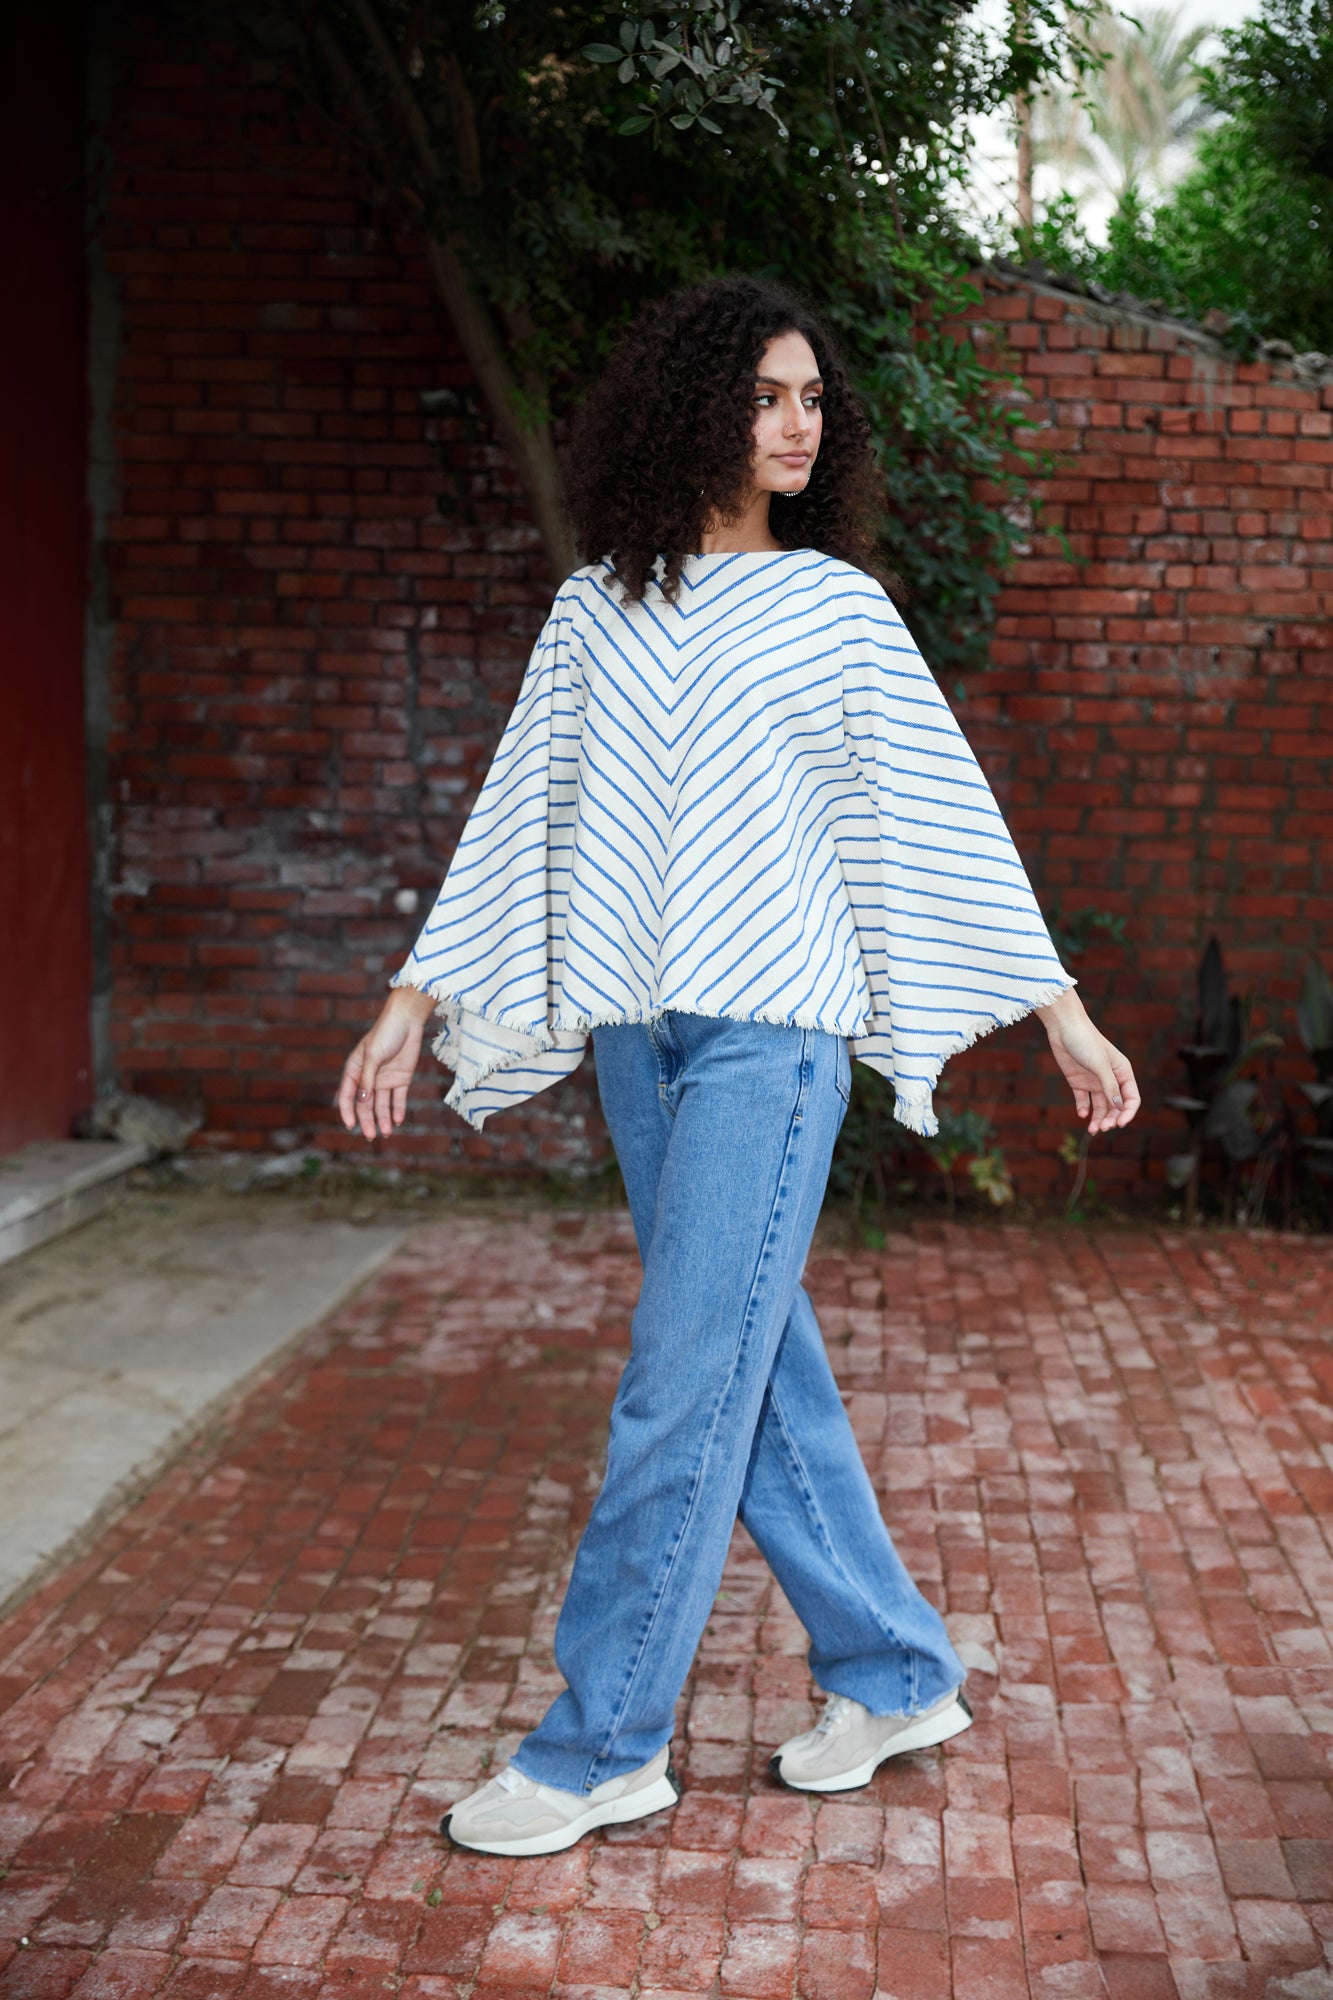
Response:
column 230, row 1729
column 118, row 1339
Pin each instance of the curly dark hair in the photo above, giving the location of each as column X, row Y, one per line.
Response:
column 664, row 439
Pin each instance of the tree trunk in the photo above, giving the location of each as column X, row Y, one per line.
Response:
column 533, row 450
column 1023, row 110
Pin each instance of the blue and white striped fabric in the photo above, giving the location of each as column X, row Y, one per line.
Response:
column 754, row 803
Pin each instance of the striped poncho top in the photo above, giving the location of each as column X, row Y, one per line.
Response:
column 753, row 803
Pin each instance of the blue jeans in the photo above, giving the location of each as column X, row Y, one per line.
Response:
column 724, row 1131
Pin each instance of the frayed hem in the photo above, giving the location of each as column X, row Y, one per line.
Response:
column 913, row 1103
column 449, row 1008
column 542, row 1037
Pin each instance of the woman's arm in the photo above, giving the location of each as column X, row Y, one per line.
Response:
column 1096, row 1071
column 375, row 1078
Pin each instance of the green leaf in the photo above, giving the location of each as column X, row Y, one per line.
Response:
column 1213, row 996
column 1314, row 1009
column 681, row 119
column 629, row 34
column 636, row 122
column 708, row 124
column 626, row 70
column 647, row 34
column 601, row 52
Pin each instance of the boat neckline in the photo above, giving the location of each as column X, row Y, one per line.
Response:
column 718, row 555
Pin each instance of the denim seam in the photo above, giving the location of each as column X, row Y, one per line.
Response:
column 807, row 1494
column 747, row 1324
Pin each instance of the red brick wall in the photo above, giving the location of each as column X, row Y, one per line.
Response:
column 1159, row 720
column 314, row 663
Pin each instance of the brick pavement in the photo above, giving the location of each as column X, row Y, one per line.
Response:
column 229, row 1732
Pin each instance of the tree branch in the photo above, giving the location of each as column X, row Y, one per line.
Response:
column 885, row 159
column 532, row 448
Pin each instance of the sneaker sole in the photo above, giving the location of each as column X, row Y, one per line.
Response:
column 663, row 1792
column 939, row 1728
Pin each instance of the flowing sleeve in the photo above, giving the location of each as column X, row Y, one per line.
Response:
column 953, row 943
column 491, row 950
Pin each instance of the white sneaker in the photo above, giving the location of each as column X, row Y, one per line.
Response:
column 848, row 1744
column 515, row 1815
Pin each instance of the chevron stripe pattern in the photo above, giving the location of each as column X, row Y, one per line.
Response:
column 754, row 803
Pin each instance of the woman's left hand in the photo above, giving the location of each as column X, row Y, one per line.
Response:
column 1100, row 1077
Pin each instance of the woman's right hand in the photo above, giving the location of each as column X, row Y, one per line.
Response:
column 375, row 1078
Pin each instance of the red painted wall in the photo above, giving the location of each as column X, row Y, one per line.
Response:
column 315, row 662
column 44, row 991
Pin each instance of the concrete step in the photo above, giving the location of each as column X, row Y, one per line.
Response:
column 55, row 1184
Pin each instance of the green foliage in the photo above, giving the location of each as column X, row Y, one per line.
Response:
column 874, row 1153
column 1249, row 1120
column 1241, row 235
column 1072, row 934
column 1058, row 239
column 701, row 62
column 1314, row 1023
column 1084, row 1202
column 1222, row 1100
column 1249, row 230
column 580, row 160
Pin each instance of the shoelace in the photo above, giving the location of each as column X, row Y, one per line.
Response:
column 836, row 1710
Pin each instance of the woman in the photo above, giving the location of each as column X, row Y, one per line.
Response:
column 732, row 831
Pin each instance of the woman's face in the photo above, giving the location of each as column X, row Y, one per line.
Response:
column 788, row 421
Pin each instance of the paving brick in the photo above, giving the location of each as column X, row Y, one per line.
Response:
column 154, row 1916
column 271, row 1856
column 771, row 1889
column 693, row 1880
column 837, row 1965
column 760, row 1959
column 1137, row 1978
column 914, row 1965
column 206, row 1979
column 451, row 1940
column 1140, row 1842
column 1276, row 1933
column 124, row 1975
column 683, row 1953
column 43, row 1974
column 299, row 1930
column 281, row 1982
column 602, row 1949
column 25, row 1897
column 521, row 1950
column 231, row 1921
